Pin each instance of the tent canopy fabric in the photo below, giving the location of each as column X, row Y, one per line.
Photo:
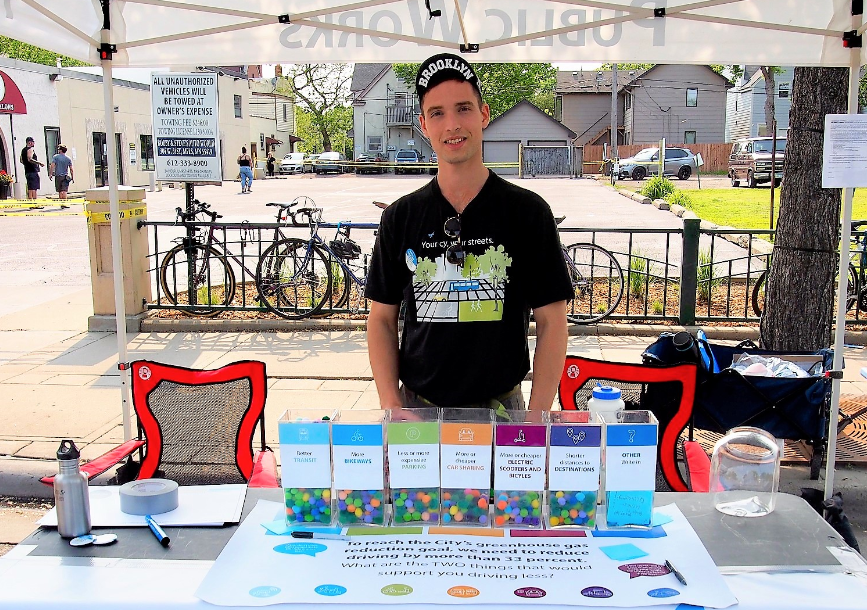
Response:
column 230, row 32
column 184, row 33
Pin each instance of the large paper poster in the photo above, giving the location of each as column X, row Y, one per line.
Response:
column 186, row 127
column 460, row 566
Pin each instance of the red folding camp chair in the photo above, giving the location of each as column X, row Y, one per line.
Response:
column 196, row 427
column 672, row 406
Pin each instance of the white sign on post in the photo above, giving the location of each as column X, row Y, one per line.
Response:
column 844, row 154
column 186, row 127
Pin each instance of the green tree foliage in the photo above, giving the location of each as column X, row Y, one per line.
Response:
column 322, row 92
column 495, row 263
column 15, row 49
column 337, row 122
column 425, row 271
column 504, row 85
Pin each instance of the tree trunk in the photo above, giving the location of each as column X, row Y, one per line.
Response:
column 801, row 284
column 770, row 92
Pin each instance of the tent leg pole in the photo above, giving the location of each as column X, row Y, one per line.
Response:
column 116, row 257
column 840, row 330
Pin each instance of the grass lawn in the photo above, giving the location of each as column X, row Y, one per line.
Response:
column 749, row 208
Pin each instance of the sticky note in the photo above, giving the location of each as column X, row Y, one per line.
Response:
column 623, row 552
column 654, row 532
column 660, row 518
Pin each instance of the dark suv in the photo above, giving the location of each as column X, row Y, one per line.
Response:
column 406, row 161
column 750, row 161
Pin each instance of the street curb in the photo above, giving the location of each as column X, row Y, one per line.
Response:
column 19, row 477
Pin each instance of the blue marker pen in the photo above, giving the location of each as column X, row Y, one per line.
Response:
column 158, row 531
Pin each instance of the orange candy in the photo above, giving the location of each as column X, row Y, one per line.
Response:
column 502, row 505
column 573, row 513
column 374, row 502
column 483, row 504
column 447, row 495
column 500, row 520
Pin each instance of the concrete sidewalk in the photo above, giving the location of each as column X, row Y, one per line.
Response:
column 59, row 381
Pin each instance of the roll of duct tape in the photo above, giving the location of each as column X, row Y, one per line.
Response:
column 149, row 497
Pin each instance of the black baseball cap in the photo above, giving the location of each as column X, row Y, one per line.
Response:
column 440, row 68
column 29, row 139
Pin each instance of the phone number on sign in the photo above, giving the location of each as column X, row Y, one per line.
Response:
column 186, row 163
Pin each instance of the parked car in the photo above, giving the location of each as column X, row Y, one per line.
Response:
column 370, row 163
column 294, row 163
column 433, row 159
column 406, row 161
column 750, row 161
column 330, row 162
column 679, row 162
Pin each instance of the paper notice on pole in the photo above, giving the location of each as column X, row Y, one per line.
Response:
column 844, row 155
column 186, row 127
column 449, row 566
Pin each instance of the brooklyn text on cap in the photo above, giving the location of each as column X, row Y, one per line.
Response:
column 439, row 68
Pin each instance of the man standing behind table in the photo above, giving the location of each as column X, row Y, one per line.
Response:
column 31, row 168
column 471, row 254
column 61, row 169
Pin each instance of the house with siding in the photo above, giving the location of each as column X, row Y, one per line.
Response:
column 682, row 103
column 384, row 112
column 745, row 104
column 524, row 124
column 272, row 119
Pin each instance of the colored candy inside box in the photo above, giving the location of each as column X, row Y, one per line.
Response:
column 312, row 506
column 360, row 506
column 517, row 508
column 572, row 508
column 415, row 505
column 469, row 506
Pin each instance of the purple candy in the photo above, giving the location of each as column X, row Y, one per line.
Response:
column 435, row 517
column 341, row 505
column 408, row 504
column 561, row 501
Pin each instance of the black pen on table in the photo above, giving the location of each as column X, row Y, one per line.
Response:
column 676, row 572
column 157, row 531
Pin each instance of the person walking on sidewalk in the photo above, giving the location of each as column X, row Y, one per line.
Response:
column 471, row 255
column 31, row 167
column 246, row 169
column 270, row 164
column 61, row 169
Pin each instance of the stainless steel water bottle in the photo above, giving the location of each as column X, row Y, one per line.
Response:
column 71, row 497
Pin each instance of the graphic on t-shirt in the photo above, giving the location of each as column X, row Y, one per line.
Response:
column 472, row 293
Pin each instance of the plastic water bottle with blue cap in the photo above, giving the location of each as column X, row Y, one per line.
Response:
column 606, row 400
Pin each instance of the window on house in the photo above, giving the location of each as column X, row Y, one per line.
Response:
column 285, row 112
column 147, row 153
column 237, row 106
column 784, row 89
column 262, row 140
column 628, row 101
column 689, row 137
column 374, row 144
column 691, row 98
column 558, row 107
column 736, row 104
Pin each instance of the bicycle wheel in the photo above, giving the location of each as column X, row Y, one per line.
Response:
column 213, row 281
column 597, row 280
column 293, row 278
column 758, row 296
column 340, row 287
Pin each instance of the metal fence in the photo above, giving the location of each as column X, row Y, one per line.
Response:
column 687, row 275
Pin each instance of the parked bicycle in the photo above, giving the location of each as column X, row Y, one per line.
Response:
column 298, row 277
column 856, row 289
column 197, row 271
column 597, row 279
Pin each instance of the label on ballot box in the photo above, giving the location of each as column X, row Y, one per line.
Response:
column 305, row 454
column 414, row 454
column 630, row 469
column 358, row 456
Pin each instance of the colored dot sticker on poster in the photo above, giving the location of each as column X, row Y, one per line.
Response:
column 330, row 590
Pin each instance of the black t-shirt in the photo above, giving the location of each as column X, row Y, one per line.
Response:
column 29, row 166
column 465, row 329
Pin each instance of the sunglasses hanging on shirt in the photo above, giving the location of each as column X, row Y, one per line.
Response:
column 455, row 254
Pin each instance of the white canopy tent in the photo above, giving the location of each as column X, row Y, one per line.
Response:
column 187, row 33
